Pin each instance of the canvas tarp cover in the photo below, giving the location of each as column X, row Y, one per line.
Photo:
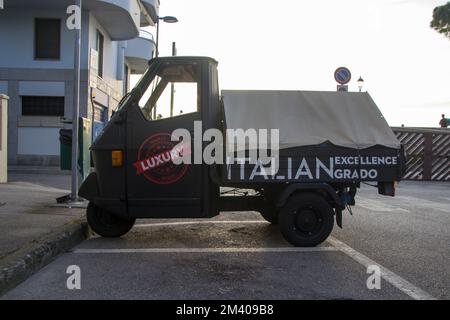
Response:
column 307, row 118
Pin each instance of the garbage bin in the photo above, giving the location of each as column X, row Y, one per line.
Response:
column 84, row 142
column 65, row 139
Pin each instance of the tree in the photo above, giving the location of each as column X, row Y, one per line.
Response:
column 441, row 19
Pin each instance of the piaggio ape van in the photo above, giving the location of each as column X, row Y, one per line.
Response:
column 329, row 143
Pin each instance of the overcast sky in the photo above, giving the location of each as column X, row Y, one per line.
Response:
column 297, row 45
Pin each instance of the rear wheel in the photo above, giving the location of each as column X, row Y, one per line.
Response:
column 306, row 220
column 107, row 224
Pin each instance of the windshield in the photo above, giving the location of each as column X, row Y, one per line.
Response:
column 173, row 91
column 171, row 88
column 134, row 91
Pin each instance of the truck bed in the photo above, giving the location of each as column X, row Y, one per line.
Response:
column 323, row 137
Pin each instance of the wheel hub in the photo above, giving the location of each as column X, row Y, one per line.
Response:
column 307, row 221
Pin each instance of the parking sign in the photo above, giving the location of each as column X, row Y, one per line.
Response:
column 342, row 75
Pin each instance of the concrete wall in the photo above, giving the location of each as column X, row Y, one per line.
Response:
column 17, row 40
column 22, row 128
column 39, row 135
column 4, row 87
column 35, row 140
column 111, row 51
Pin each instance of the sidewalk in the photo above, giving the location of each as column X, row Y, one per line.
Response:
column 32, row 228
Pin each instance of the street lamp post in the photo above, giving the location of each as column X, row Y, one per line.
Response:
column 76, row 111
column 166, row 19
column 360, row 83
column 172, row 85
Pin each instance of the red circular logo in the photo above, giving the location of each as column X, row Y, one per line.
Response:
column 155, row 160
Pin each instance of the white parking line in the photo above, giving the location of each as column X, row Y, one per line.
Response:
column 35, row 187
column 379, row 206
column 427, row 204
column 337, row 245
column 389, row 276
column 204, row 250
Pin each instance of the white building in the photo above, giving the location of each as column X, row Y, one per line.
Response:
column 37, row 60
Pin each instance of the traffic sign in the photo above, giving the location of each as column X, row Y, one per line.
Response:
column 342, row 75
column 342, row 88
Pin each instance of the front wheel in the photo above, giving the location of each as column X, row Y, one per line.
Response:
column 107, row 224
column 306, row 220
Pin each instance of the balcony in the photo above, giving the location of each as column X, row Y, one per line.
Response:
column 139, row 51
column 150, row 17
column 33, row 4
column 120, row 18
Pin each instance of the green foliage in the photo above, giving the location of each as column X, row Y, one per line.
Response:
column 441, row 19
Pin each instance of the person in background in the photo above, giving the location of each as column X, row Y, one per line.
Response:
column 444, row 123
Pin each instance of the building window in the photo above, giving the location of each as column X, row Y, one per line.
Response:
column 47, row 39
column 99, row 48
column 43, row 106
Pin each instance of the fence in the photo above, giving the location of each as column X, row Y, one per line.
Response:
column 428, row 153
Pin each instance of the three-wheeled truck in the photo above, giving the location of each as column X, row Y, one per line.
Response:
column 329, row 143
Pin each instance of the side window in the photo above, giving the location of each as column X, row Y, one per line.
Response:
column 173, row 92
column 100, row 45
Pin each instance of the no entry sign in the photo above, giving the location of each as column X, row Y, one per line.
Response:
column 342, row 75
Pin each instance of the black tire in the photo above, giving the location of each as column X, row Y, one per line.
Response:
column 106, row 224
column 306, row 220
column 270, row 214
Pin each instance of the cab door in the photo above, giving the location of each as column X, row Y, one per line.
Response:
column 156, row 187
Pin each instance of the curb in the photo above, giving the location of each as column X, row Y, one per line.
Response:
column 22, row 264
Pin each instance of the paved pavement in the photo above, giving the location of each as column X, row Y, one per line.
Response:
column 32, row 229
column 27, row 209
column 242, row 257
column 42, row 176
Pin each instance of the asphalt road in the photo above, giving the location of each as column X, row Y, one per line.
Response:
column 239, row 256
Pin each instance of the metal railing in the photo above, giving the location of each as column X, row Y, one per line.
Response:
column 99, row 83
column 146, row 35
column 427, row 153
